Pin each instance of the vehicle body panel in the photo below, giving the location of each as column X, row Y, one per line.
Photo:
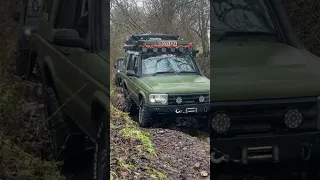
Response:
column 256, row 81
column 80, row 76
column 184, row 84
column 177, row 83
column 259, row 70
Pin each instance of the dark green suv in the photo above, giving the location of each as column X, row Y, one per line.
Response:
column 118, row 67
column 265, row 88
column 161, row 76
column 28, row 18
column 72, row 42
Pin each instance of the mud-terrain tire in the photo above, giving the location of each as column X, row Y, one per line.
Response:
column 57, row 126
column 129, row 105
column 24, row 64
column 145, row 117
column 101, row 151
column 60, row 130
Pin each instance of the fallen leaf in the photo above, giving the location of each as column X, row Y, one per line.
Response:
column 204, row 173
column 197, row 165
column 123, row 173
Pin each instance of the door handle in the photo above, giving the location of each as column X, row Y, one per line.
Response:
column 65, row 51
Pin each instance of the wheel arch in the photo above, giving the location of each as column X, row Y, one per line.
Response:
column 99, row 105
column 142, row 95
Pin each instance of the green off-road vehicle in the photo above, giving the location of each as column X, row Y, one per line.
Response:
column 28, row 18
column 161, row 76
column 264, row 89
column 118, row 67
column 72, row 42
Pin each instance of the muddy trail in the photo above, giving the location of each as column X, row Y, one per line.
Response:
column 182, row 148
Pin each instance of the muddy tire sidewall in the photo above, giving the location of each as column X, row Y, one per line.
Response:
column 101, row 151
column 57, row 127
column 127, row 101
column 145, row 117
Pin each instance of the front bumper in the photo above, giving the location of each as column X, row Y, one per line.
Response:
column 188, row 110
column 273, row 149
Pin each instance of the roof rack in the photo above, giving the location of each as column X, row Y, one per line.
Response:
column 133, row 38
column 156, row 42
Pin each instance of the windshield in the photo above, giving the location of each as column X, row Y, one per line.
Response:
column 241, row 15
column 167, row 63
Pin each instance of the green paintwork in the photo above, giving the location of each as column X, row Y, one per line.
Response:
column 81, row 78
column 164, row 84
column 262, row 70
column 176, row 84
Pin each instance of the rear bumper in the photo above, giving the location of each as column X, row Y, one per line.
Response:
column 283, row 149
column 194, row 109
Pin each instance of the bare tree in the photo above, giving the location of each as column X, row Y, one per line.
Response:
column 187, row 18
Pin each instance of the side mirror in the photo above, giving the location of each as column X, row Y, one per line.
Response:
column 68, row 37
column 16, row 16
column 131, row 73
column 195, row 52
column 115, row 65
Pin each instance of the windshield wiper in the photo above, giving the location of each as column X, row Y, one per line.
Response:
column 163, row 72
column 246, row 33
column 186, row 72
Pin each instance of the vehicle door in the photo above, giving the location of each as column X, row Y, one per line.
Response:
column 123, row 73
column 136, row 80
column 74, row 64
column 131, row 79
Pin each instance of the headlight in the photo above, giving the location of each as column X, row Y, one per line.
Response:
column 158, row 98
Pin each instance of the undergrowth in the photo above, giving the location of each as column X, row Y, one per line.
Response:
column 17, row 161
column 124, row 162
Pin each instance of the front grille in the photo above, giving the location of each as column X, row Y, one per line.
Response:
column 266, row 116
column 188, row 98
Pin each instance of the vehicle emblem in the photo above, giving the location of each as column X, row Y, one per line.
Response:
column 201, row 99
column 179, row 100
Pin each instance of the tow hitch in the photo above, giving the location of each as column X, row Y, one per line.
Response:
column 217, row 157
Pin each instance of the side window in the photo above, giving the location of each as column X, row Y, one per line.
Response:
column 128, row 61
column 73, row 14
column 136, row 64
column 131, row 63
column 125, row 60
